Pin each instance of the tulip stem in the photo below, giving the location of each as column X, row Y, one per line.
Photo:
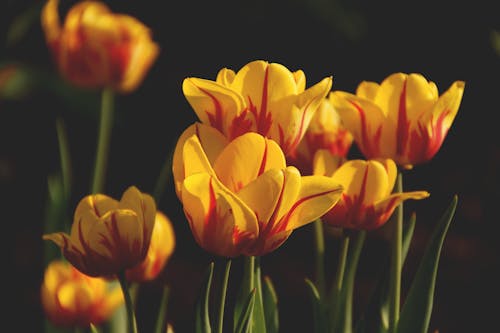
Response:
column 132, row 323
column 62, row 139
column 396, row 262
column 320, row 257
column 223, row 295
column 104, row 137
column 339, row 278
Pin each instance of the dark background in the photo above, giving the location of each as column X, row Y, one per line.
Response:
column 350, row 40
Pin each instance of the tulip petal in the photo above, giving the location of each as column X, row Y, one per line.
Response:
column 318, row 194
column 447, row 105
column 365, row 120
column 245, row 158
column 145, row 208
column 50, row 20
column 325, row 163
column 73, row 251
column 366, row 180
column 221, row 223
column 385, row 208
column 225, row 77
column 212, row 141
column 367, row 90
column 214, row 104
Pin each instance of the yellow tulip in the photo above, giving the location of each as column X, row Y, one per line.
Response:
column 239, row 197
column 73, row 299
column 108, row 236
column 367, row 201
column 160, row 250
column 261, row 97
column 325, row 131
column 96, row 48
column 403, row 118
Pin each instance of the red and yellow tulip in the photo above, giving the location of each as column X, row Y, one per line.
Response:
column 108, row 236
column 161, row 248
column 367, row 201
column 97, row 48
column 325, row 131
column 73, row 299
column 239, row 196
column 403, row 118
column 261, row 97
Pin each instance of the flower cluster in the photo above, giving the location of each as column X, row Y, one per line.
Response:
column 267, row 157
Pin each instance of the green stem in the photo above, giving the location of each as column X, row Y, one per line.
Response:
column 132, row 323
column 339, row 277
column 161, row 325
column 319, row 241
column 396, row 261
column 223, row 295
column 249, row 269
column 350, row 277
column 62, row 138
column 104, row 137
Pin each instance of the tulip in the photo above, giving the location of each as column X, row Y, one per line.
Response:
column 239, row 197
column 73, row 299
column 261, row 97
column 160, row 250
column 96, row 48
column 108, row 236
column 325, row 131
column 403, row 118
column 367, row 201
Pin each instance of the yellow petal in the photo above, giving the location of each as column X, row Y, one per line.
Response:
column 324, row 163
column 221, row 223
column 365, row 120
column 214, row 104
column 318, row 194
column 225, row 77
column 300, row 80
column 388, row 204
column 448, row 104
column 50, row 20
column 144, row 206
column 392, row 172
column 73, row 251
column 245, row 158
column 366, row 180
column 212, row 142
column 420, row 96
column 367, row 90
column 270, row 183
column 389, row 94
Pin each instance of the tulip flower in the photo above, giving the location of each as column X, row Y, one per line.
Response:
column 96, row 48
column 367, row 201
column 325, row 131
column 403, row 118
column 160, row 250
column 108, row 236
column 73, row 299
column 240, row 197
column 261, row 97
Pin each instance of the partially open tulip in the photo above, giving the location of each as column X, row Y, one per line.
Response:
column 108, row 236
column 367, row 201
column 403, row 118
column 161, row 248
column 73, row 299
column 261, row 97
column 239, row 196
column 97, row 48
column 325, row 131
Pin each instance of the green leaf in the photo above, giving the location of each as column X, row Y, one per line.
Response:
column 320, row 325
column 270, row 300
column 376, row 313
column 258, row 317
column 416, row 312
column 202, row 316
column 161, row 320
column 243, row 323
column 246, row 287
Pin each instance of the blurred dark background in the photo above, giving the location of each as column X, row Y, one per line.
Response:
column 350, row 40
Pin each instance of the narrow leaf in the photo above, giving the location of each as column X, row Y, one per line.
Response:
column 258, row 317
column 319, row 321
column 416, row 313
column 161, row 319
column 243, row 324
column 376, row 313
column 202, row 317
column 270, row 300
